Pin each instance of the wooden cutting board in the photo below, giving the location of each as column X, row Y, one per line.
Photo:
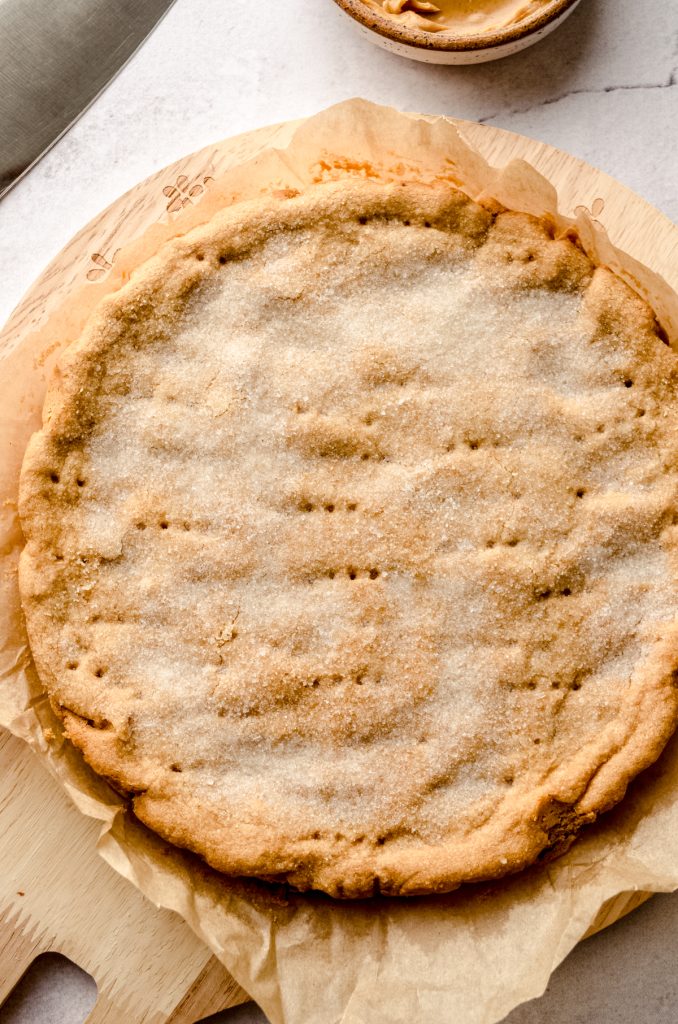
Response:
column 56, row 893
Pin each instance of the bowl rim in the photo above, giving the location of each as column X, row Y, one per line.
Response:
column 383, row 25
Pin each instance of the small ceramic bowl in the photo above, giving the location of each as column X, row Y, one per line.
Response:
column 447, row 48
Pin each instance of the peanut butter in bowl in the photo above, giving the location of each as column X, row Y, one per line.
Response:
column 463, row 17
column 456, row 31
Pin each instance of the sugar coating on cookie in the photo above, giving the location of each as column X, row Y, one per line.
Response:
column 351, row 540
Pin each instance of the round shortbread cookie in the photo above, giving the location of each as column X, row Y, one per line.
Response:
column 351, row 543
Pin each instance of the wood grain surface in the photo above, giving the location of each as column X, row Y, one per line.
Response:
column 56, row 893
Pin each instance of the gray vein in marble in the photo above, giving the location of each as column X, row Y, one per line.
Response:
column 670, row 83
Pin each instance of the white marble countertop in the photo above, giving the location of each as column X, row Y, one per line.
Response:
column 604, row 87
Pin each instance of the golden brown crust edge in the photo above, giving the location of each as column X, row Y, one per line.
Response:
column 554, row 821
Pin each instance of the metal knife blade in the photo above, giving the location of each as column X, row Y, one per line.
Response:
column 56, row 57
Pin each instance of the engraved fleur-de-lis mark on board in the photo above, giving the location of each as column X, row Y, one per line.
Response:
column 102, row 265
column 182, row 192
column 597, row 207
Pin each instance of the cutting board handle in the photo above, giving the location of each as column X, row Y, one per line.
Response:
column 17, row 953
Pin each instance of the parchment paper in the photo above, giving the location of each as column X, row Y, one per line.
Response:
column 467, row 957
